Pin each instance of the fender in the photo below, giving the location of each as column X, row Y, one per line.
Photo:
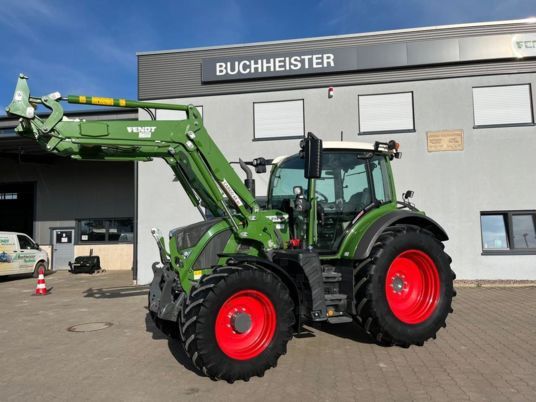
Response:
column 43, row 261
column 236, row 259
column 393, row 218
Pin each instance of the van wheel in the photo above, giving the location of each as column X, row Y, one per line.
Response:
column 37, row 268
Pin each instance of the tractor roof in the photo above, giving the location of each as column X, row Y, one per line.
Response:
column 366, row 146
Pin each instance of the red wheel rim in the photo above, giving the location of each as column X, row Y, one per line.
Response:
column 245, row 324
column 412, row 286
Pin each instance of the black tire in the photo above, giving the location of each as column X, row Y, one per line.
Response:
column 37, row 268
column 197, row 321
column 374, row 312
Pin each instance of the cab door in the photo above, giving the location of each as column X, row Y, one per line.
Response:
column 27, row 253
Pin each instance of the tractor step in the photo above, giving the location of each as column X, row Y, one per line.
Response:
column 340, row 319
column 330, row 275
column 331, row 280
column 335, row 307
column 334, row 298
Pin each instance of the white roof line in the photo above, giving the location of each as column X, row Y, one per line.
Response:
column 529, row 20
column 347, row 145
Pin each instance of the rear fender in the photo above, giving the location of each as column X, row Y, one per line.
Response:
column 396, row 218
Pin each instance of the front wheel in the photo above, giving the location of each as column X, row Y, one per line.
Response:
column 37, row 268
column 236, row 322
column 404, row 293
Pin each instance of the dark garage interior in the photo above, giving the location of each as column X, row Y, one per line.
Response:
column 17, row 205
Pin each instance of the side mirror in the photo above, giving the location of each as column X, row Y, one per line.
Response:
column 312, row 153
column 407, row 195
column 260, row 165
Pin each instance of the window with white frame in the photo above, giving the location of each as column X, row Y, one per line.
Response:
column 280, row 119
column 386, row 113
column 503, row 105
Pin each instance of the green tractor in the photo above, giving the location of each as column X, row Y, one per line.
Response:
column 332, row 245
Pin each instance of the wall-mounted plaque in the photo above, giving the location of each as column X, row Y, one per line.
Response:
column 442, row 141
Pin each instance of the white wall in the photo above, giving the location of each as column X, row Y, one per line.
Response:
column 494, row 172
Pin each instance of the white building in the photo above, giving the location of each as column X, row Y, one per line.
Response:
column 459, row 100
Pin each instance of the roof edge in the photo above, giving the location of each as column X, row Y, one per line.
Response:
column 528, row 20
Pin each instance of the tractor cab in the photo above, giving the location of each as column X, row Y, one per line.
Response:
column 354, row 178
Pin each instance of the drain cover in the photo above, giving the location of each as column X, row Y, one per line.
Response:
column 90, row 327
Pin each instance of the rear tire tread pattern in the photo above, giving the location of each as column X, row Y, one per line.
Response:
column 366, row 314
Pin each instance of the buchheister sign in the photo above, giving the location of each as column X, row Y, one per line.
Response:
column 273, row 65
column 368, row 57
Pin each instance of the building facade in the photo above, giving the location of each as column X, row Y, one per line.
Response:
column 68, row 207
column 459, row 100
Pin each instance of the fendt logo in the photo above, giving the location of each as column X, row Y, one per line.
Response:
column 524, row 45
column 143, row 132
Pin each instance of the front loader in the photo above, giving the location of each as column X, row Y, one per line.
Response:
column 333, row 244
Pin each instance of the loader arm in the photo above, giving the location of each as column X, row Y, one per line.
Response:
column 185, row 145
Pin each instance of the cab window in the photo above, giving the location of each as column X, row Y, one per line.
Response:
column 354, row 183
column 26, row 243
column 325, row 188
column 287, row 176
column 349, row 183
column 380, row 177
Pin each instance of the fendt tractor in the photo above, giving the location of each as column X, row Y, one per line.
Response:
column 333, row 244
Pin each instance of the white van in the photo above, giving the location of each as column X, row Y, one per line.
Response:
column 19, row 254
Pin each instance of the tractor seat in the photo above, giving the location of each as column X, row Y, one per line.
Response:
column 358, row 201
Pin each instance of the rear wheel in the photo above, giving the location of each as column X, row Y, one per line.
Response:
column 404, row 292
column 236, row 322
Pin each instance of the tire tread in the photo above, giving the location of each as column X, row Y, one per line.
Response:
column 366, row 314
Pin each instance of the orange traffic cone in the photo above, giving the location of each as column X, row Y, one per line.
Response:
column 41, row 288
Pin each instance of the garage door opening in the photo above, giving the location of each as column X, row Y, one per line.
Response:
column 17, row 207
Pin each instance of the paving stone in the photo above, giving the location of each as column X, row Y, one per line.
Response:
column 487, row 352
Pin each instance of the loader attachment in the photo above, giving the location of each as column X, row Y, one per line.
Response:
column 20, row 105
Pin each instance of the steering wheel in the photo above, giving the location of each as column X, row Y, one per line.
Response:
column 324, row 196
